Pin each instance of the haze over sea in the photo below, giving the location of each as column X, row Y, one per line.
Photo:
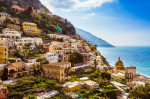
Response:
column 138, row 56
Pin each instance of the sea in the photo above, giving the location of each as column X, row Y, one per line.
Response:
column 138, row 56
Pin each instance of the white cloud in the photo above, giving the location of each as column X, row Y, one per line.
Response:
column 88, row 16
column 68, row 5
column 91, row 14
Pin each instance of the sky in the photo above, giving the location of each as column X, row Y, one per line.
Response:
column 119, row 22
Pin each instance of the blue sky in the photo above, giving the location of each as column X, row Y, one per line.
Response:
column 120, row 22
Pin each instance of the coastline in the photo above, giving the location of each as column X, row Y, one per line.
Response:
column 130, row 55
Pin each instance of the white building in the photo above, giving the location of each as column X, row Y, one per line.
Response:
column 8, row 42
column 25, row 40
column 38, row 40
column 29, row 40
column 5, row 14
column 56, row 36
column 2, row 19
column 10, row 33
column 51, row 57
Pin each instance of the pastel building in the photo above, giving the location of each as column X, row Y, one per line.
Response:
column 2, row 19
column 130, row 73
column 5, row 14
column 30, row 28
column 10, row 33
column 7, row 42
column 38, row 41
column 54, row 72
column 72, row 86
column 19, row 69
column 84, row 67
column 91, row 85
column 13, row 26
column 51, row 57
column 3, row 54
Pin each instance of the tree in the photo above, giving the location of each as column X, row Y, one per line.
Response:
column 140, row 92
column 95, row 63
column 105, row 75
column 3, row 9
column 5, row 74
column 11, row 72
column 46, row 31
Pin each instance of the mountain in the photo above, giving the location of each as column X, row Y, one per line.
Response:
column 42, row 20
column 93, row 39
column 36, row 4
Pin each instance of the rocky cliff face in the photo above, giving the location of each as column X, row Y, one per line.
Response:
column 36, row 4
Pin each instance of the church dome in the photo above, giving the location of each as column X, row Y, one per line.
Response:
column 119, row 64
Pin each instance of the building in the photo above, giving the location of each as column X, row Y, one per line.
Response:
column 54, row 72
column 3, row 54
column 72, row 86
column 51, row 57
column 76, row 85
column 130, row 73
column 40, row 11
column 10, row 33
column 65, row 65
column 17, row 9
column 16, row 20
column 2, row 19
column 67, row 48
column 56, row 48
column 30, row 28
column 56, row 36
column 13, row 26
column 20, row 69
column 91, row 85
column 3, row 90
column 7, row 42
column 84, row 67
column 119, row 66
column 1, row 43
column 47, row 95
column 16, row 70
column 25, row 40
column 19, row 48
column 120, row 76
column 38, row 41
column 5, row 14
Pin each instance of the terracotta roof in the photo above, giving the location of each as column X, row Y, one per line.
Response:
column 59, row 63
column 53, row 67
column 19, row 64
column 2, row 96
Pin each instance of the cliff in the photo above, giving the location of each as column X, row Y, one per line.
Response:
column 36, row 4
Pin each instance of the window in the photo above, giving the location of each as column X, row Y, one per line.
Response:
column 5, row 49
column 5, row 53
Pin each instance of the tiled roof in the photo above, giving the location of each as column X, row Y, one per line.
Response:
column 19, row 64
column 53, row 67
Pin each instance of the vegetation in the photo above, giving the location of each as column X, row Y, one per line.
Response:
column 140, row 92
column 106, row 75
column 75, row 58
column 28, row 86
column 42, row 20
column 5, row 74
column 11, row 60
